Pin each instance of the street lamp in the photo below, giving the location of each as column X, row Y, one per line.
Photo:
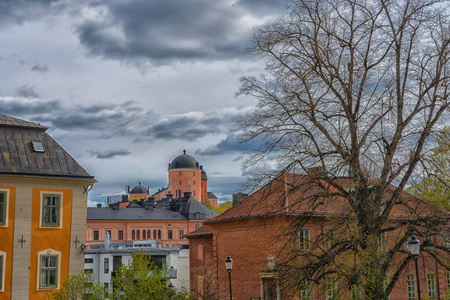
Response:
column 414, row 247
column 229, row 266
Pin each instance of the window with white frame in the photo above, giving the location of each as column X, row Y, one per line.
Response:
column 306, row 290
column 328, row 238
column 431, row 281
column 448, row 281
column 332, row 289
column 411, row 285
column 2, row 270
column 356, row 292
column 3, row 208
column 48, row 271
column 51, row 210
column 303, row 235
column 383, row 241
column 106, row 265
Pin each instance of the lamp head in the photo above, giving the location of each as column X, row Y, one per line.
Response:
column 229, row 263
column 414, row 246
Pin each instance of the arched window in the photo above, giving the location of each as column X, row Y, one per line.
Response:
column 148, row 235
column 138, row 235
column 194, row 193
column 133, row 235
column 159, row 234
column 154, row 234
column 143, row 235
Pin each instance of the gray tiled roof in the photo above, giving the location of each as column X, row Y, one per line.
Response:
column 193, row 206
column 211, row 196
column 17, row 156
column 106, row 213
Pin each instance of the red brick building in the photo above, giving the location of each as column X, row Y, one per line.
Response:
column 252, row 233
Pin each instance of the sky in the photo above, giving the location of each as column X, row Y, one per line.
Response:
column 126, row 85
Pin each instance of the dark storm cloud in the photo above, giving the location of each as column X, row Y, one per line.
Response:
column 191, row 127
column 27, row 92
column 40, row 67
column 20, row 11
column 106, row 154
column 229, row 145
column 24, row 106
column 160, row 31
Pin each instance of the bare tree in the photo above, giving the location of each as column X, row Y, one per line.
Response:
column 355, row 88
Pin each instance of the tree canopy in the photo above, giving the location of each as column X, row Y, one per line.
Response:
column 354, row 89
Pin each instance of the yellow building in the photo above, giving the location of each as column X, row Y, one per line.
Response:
column 43, row 198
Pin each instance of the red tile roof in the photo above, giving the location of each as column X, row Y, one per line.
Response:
column 301, row 194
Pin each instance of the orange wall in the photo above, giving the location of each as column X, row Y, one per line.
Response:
column 49, row 238
column 7, row 243
column 186, row 175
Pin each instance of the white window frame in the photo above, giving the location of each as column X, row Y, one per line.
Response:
column 6, row 191
column 303, row 240
column 2, row 271
column 431, row 283
column 43, row 193
column 306, row 290
column 411, row 286
column 49, row 252
column 332, row 288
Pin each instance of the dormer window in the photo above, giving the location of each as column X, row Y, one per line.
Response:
column 37, row 146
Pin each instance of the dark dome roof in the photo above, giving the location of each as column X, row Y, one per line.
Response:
column 139, row 190
column 184, row 161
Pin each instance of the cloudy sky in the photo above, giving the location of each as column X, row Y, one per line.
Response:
column 126, row 85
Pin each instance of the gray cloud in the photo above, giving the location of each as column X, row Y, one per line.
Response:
column 157, row 32
column 192, row 126
column 40, row 67
column 106, row 154
column 20, row 11
column 229, row 145
column 27, row 92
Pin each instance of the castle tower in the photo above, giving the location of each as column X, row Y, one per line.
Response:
column 186, row 175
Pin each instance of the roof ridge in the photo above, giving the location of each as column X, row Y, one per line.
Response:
column 15, row 122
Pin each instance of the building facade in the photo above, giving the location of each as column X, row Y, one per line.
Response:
column 103, row 260
column 43, row 197
column 254, row 234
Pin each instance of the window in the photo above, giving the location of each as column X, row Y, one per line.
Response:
column 138, row 234
column 383, row 241
column 95, row 235
column 304, row 239
column 106, row 265
column 197, row 226
column 448, row 280
column 159, row 234
column 88, row 271
column 120, row 235
column 148, row 235
column 169, row 234
column 331, row 288
column 48, row 269
column 3, row 208
column 431, row 280
column 411, row 285
column 88, row 260
column 180, row 182
column 133, row 234
column 306, row 290
column 194, row 193
column 144, row 235
column 328, row 238
column 179, row 173
column 356, row 292
column 180, row 234
column 154, row 234
column 270, row 289
column 2, row 270
column 51, row 210
column 193, row 174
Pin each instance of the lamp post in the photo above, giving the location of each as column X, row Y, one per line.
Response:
column 229, row 266
column 414, row 247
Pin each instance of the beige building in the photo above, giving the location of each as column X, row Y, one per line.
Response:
column 43, row 197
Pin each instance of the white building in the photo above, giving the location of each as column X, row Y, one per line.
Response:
column 103, row 260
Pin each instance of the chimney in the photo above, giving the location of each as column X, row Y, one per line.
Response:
column 127, row 189
column 149, row 205
column 107, row 240
column 115, row 206
column 99, row 205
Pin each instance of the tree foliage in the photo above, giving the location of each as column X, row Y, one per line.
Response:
column 435, row 187
column 354, row 88
column 141, row 279
column 223, row 207
column 75, row 287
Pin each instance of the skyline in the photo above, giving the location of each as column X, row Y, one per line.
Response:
column 126, row 86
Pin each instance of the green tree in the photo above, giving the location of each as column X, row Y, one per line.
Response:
column 435, row 188
column 141, row 279
column 75, row 287
column 352, row 88
column 223, row 207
